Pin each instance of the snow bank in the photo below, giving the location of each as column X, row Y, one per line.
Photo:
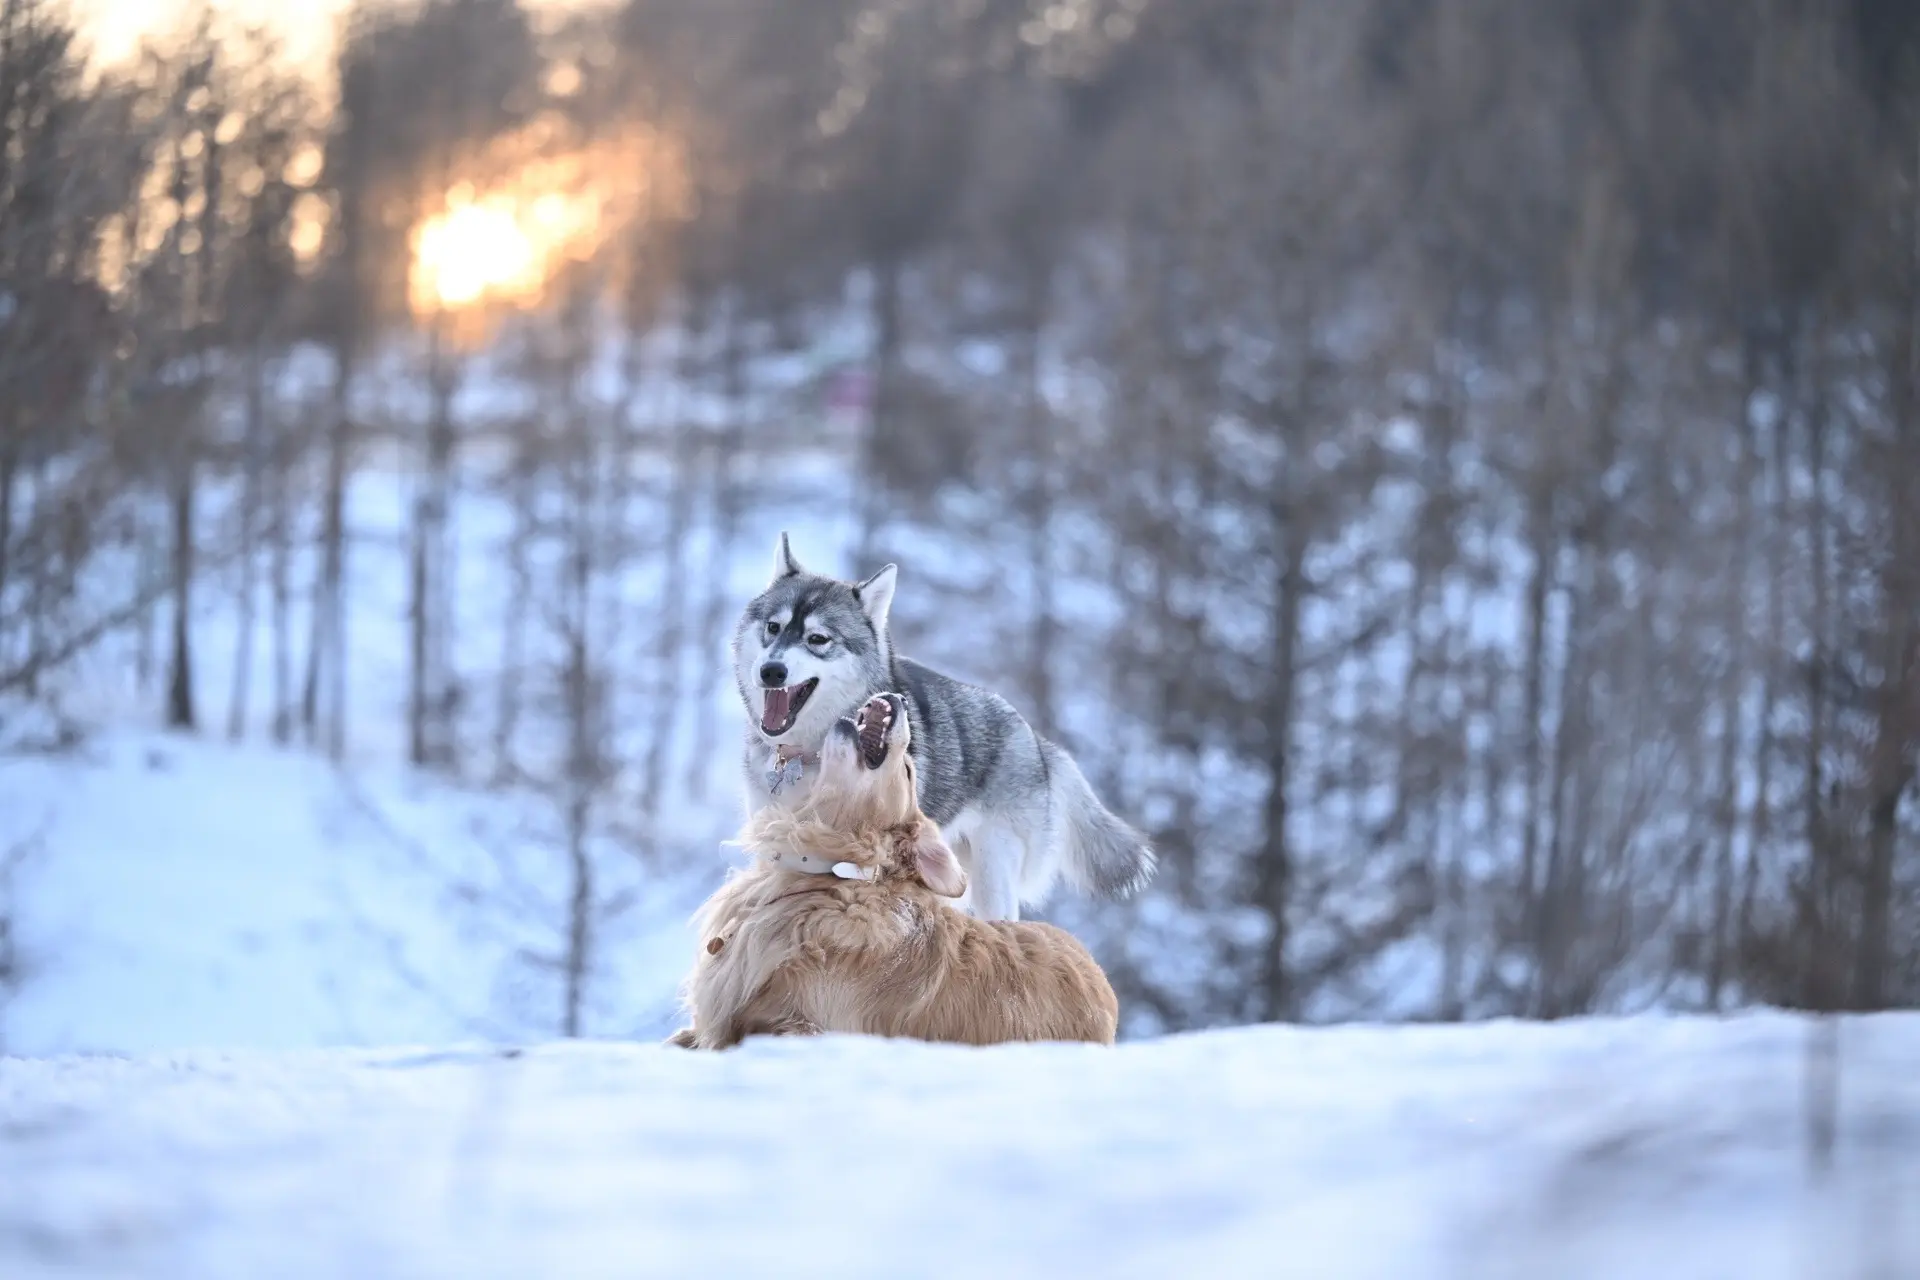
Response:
column 192, row 894
column 1642, row 1148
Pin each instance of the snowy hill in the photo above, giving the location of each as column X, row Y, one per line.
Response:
column 1643, row 1148
column 188, row 894
column 181, row 891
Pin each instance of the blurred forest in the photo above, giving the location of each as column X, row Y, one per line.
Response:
column 1449, row 468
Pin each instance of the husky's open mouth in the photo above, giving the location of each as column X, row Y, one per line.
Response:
column 872, row 722
column 782, row 706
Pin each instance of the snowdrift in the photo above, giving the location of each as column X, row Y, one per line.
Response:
column 1642, row 1147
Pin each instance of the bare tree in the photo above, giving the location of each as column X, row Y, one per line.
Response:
column 1448, row 469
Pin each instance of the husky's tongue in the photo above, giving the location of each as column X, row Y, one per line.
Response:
column 773, row 717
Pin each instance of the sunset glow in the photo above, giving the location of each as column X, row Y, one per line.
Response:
column 473, row 251
column 537, row 201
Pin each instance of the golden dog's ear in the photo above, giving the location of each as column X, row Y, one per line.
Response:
column 935, row 864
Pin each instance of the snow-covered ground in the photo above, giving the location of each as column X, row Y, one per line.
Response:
column 1632, row 1148
column 193, row 894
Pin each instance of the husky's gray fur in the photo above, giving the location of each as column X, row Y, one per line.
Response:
column 1013, row 805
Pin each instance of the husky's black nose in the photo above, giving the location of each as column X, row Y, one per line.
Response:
column 773, row 675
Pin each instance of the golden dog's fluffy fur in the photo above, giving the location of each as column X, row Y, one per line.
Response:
column 786, row 952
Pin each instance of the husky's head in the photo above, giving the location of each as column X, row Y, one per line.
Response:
column 809, row 647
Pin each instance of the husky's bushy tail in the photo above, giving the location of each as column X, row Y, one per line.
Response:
column 1100, row 853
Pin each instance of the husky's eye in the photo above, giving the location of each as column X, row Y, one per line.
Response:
column 773, row 628
column 819, row 641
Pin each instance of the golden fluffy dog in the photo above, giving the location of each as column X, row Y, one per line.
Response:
column 841, row 925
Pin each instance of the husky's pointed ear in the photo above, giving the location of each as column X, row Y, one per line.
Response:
column 934, row 862
column 784, row 565
column 876, row 594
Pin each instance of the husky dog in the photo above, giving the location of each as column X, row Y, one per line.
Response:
column 1014, row 806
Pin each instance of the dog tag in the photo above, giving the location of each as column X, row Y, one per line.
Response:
column 785, row 774
column 851, row 871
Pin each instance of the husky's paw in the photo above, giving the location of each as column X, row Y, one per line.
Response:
column 683, row 1038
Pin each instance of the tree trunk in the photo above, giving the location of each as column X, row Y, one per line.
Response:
column 1556, row 910
column 672, row 611
column 1874, row 959
column 147, row 624
column 254, row 465
column 1720, row 958
column 1533, row 708
column 726, row 521
column 7, row 469
column 417, row 695
column 326, row 646
column 1273, row 889
column 443, row 710
column 1820, row 976
column 871, row 494
column 513, row 643
column 425, row 728
column 1760, row 818
column 579, row 914
column 282, row 586
column 1043, row 624
column 180, row 710
column 585, row 763
column 37, row 603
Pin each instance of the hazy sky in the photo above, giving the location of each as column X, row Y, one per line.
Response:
column 114, row 27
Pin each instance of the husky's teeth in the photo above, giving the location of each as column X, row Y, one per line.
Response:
column 783, row 706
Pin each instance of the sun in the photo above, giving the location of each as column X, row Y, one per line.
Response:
column 536, row 200
column 471, row 251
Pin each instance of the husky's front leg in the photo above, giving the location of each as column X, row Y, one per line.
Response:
column 992, row 859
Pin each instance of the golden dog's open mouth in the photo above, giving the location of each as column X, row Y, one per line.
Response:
column 873, row 725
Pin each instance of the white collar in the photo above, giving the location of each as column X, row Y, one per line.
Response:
column 811, row 866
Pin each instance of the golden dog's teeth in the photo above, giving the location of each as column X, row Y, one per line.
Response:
column 873, row 722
